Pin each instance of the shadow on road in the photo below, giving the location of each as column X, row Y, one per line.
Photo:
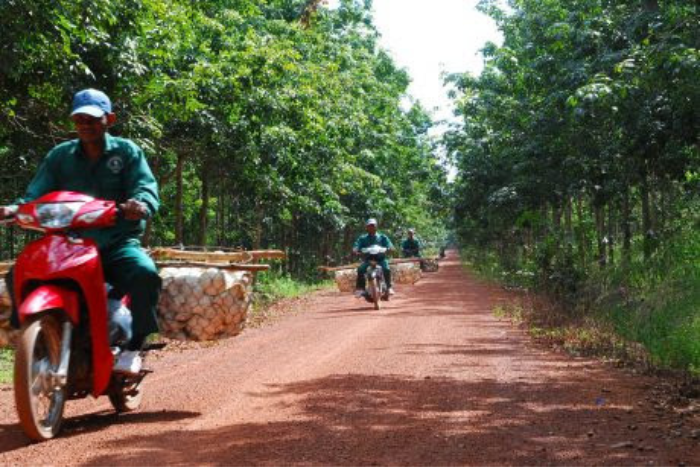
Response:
column 376, row 420
column 12, row 437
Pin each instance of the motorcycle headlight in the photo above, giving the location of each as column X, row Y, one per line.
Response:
column 56, row 215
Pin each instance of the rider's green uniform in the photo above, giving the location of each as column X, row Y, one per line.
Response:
column 411, row 247
column 368, row 240
column 120, row 174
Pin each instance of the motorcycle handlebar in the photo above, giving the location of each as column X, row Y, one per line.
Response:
column 10, row 214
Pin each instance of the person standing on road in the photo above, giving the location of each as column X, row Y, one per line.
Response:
column 372, row 237
column 111, row 168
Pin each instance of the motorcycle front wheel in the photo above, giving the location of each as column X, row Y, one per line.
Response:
column 38, row 400
column 375, row 293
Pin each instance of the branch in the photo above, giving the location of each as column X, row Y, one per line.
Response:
column 227, row 267
column 355, row 265
column 309, row 9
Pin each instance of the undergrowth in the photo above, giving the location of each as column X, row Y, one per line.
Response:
column 581, row 337
column 272, row 288
column 6, row 362
column 645, row 309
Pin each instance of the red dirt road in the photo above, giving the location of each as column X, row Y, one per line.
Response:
column 431, row 379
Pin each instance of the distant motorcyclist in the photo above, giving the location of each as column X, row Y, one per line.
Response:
column 410, row 248
column 372, row 237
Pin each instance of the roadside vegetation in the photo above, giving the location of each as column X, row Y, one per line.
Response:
column 268, row 124
column 6, row 365
column 271, row 288
column 578, row 158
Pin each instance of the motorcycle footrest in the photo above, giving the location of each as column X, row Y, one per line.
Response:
column 154, row 346
column 134, row 379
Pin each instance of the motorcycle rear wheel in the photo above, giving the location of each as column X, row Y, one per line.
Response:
column 39, row 406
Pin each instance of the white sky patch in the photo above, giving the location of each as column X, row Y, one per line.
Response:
column 430, row 37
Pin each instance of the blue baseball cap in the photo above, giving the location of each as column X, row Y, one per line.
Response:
column 91, row 102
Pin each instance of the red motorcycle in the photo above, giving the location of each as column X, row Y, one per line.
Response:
column 64, row 350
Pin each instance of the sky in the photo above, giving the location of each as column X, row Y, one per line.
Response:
column 429, row 37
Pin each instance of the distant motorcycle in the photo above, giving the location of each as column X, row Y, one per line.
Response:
column 415, row 253
column 71, row 325
column 375, row 284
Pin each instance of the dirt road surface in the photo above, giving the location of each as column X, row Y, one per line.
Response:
column 431, row 379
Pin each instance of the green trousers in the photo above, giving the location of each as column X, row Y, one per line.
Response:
column 362, row 270
column 130, row 271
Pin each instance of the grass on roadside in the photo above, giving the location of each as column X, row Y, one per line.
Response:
column 647, row 308
column 6, row 362
column 273, row 289
column 581, row 337
column 269, row 290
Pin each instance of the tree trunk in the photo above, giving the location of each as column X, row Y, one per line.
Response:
column 258, row 229
column 651, row 5
column 204, row 212
column 582, row 237
column 346, row 254
column 542, row 224
column 626, row 227
column 611, row 233
column 220, row 203
column 556, row 222
column 599, row 216
column 647, row 220
column 309, row 9
column 146, row 239
column 179, row 222
column 568, row 224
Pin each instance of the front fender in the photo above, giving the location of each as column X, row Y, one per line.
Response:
column 50, row 297
column 373, row 271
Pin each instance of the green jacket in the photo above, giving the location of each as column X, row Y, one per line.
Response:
column 120, row 174
column 367, row 240
column 411, row 244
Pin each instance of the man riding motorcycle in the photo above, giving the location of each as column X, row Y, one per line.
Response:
column 110, row 168
column 411, row 246
column 365, row 241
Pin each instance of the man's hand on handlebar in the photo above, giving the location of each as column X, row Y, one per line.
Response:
column 134, row 210
column 7, row 212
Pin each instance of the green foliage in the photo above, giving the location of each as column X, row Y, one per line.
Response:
column 659, row 303
column 270, row 288
column 264, row 129
column 577, row 160
column 6, row 365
